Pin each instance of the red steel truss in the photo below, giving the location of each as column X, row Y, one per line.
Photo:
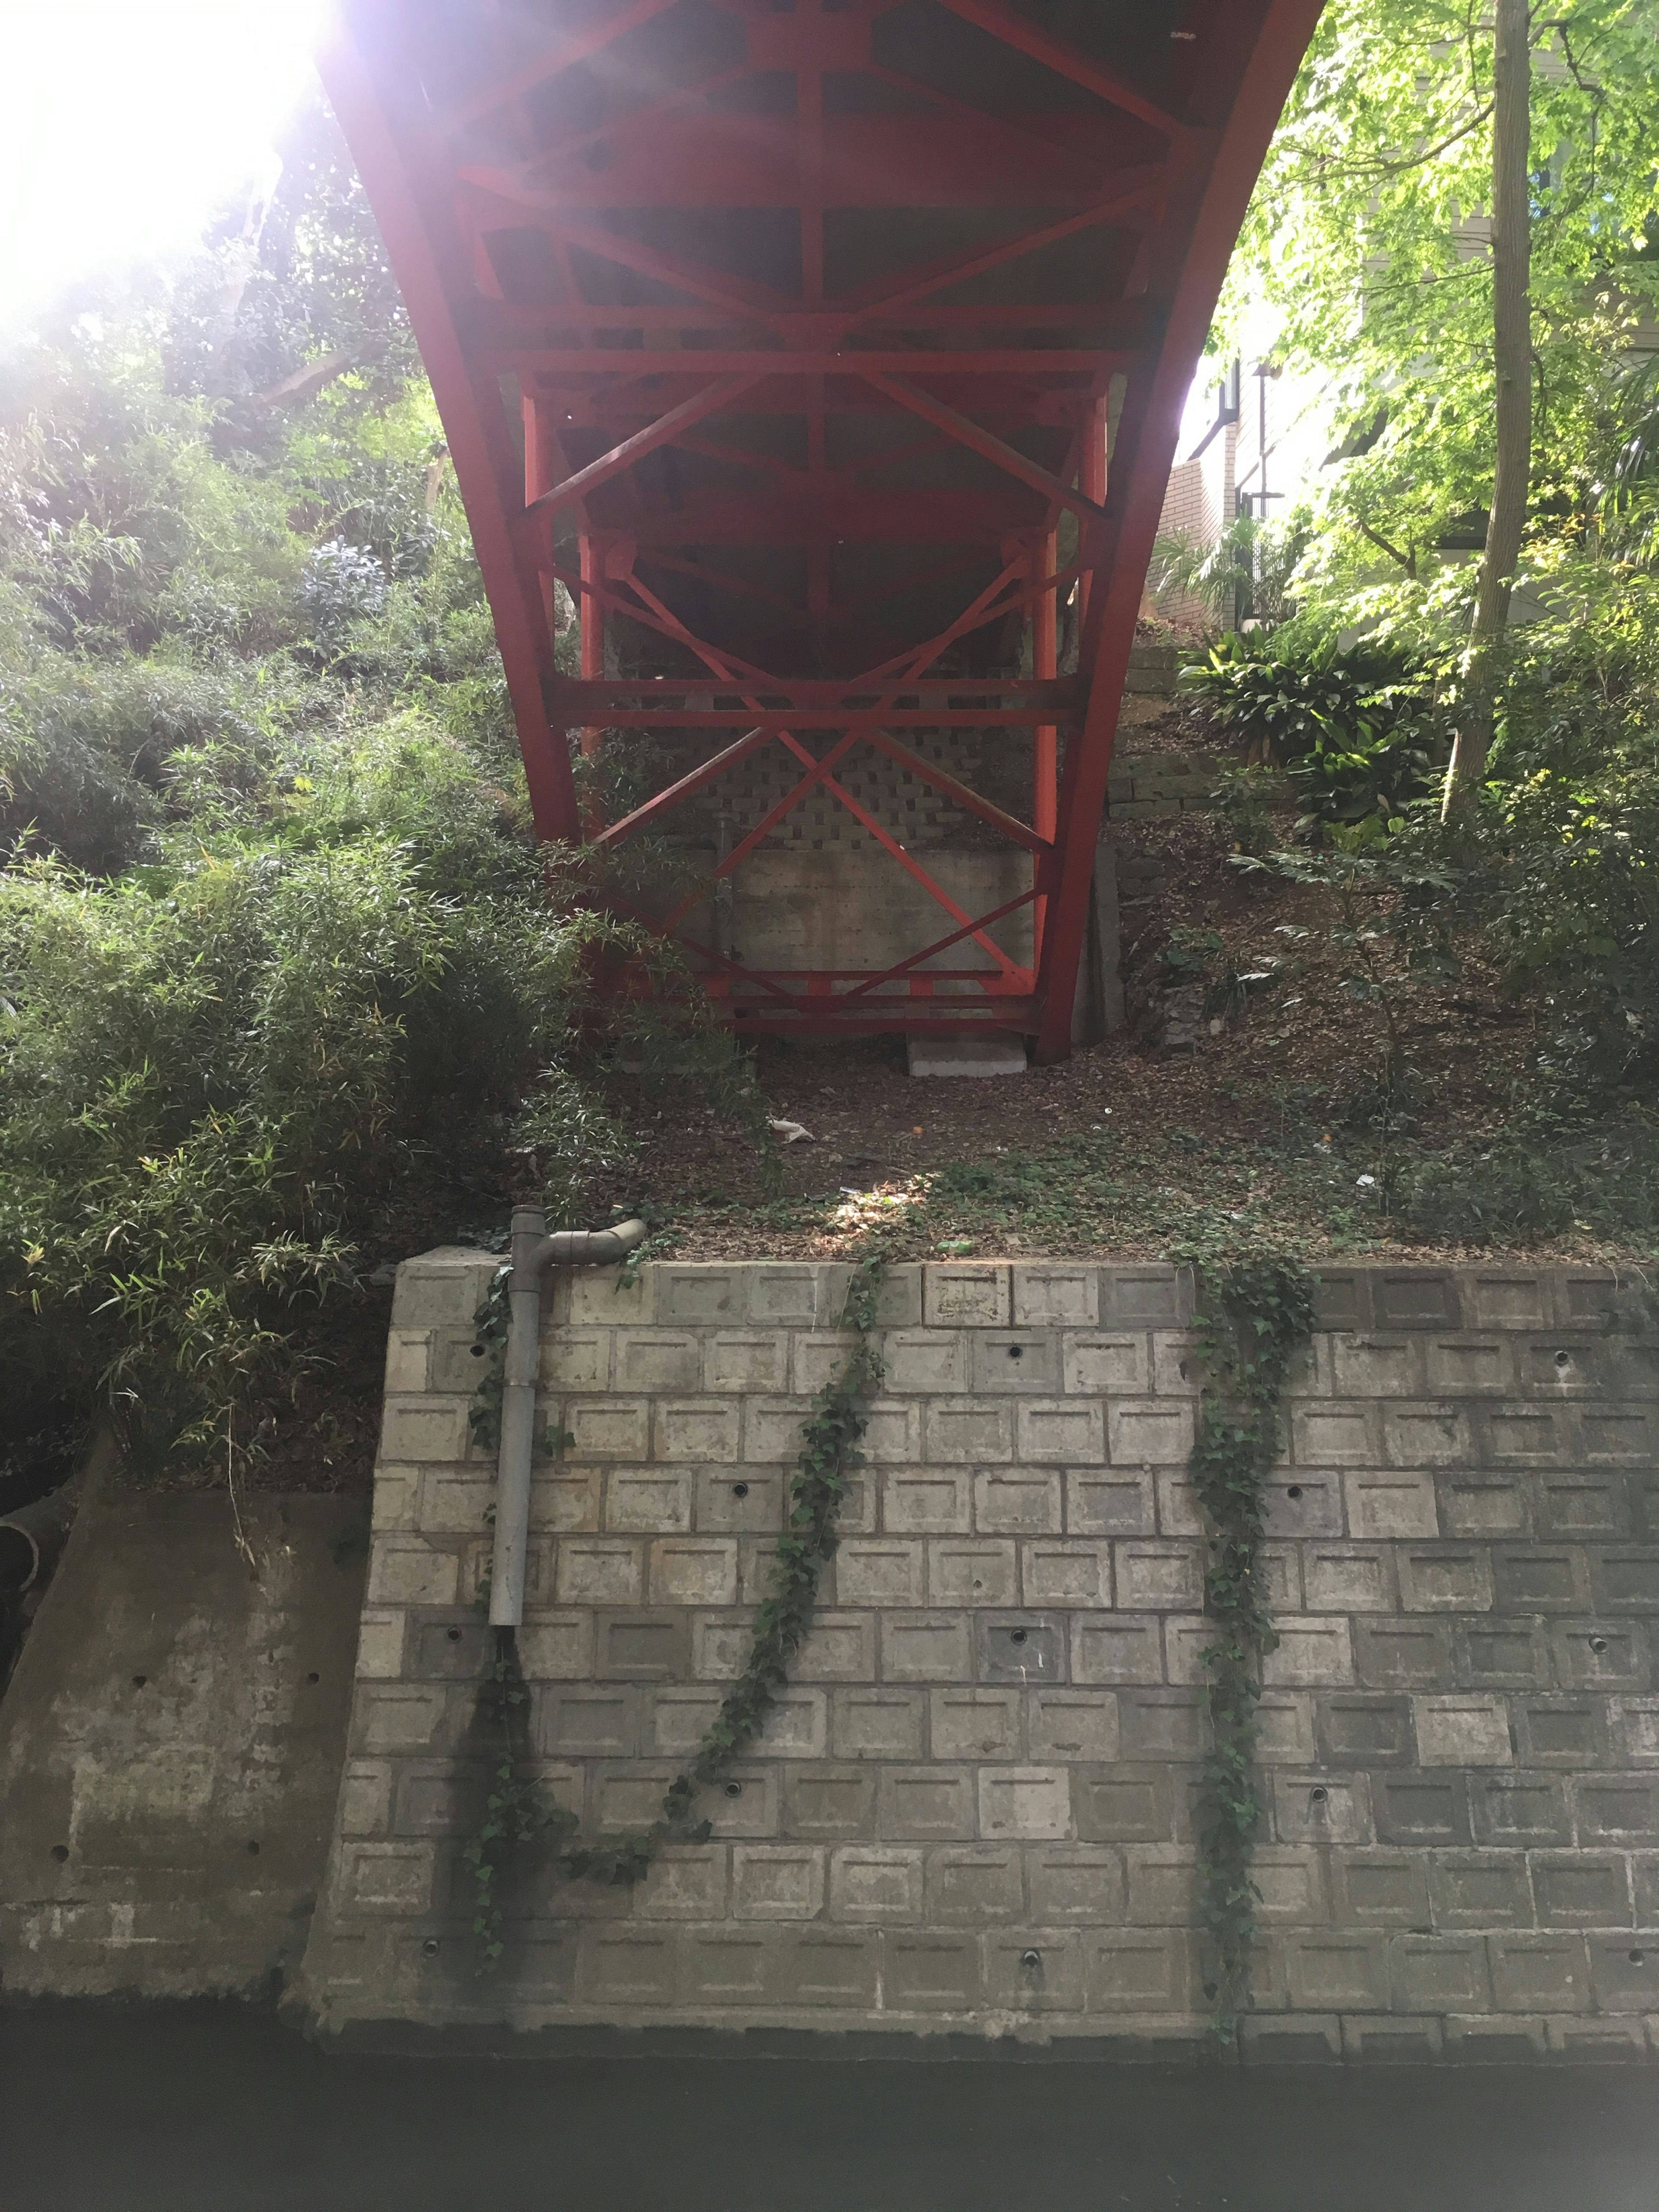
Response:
column 830, row 354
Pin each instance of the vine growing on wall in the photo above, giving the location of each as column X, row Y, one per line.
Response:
column 514, row 1816
column 483, row 1415
column 1257, row 1309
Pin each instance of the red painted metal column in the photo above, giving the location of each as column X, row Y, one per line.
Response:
column 1092, row 478
column 539, row 476
column 1251, row 64
column 1045, row 738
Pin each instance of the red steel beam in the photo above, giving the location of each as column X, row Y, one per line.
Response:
column 485, row 465
column 1252, row 60
column 944, row 693
column 484, row 320
column 577, row 698
column 869, row 983
column 1065, row 59
column 662, row 432
column 987, row 447
column 882, row 297
column 552, row 62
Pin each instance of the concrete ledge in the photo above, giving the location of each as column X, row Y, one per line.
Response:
column 1362, row 2042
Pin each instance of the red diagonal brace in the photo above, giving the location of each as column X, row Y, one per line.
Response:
column 882, row 297
column 911, row 866
column 986, row 444
column 613, row 603
column 942, row 944
column 820, row 771
column 987, row 608
column 1065, row 59
column 739, row 294
column 552, row 62
column 664, row 801
column 936, row 779
column 662, row 432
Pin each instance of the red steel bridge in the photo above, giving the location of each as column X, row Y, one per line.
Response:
column 830, row 354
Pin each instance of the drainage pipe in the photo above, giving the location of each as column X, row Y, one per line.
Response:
column 31, row 1538
column 532, row 1249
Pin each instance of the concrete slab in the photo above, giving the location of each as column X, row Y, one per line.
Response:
column 988, row 1056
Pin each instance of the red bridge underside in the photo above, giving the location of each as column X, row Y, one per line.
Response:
column 831, row 358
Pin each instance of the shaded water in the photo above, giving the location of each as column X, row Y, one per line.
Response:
column 207, row 2108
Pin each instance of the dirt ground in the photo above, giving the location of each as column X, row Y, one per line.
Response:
column 1293, row 1051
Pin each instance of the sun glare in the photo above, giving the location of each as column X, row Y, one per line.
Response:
column 129, row 122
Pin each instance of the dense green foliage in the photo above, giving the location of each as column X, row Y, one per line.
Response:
column 1364, row 256
column 281, row 987
column 1553, row 883
column 1355, row 727
column 1363, row 264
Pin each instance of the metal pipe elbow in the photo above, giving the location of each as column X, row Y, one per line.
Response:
column 588, row 1247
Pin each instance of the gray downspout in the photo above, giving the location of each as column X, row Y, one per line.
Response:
column 532, row 1249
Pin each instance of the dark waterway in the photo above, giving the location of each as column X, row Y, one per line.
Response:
column 222, row 2109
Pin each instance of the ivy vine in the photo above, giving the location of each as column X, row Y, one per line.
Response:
column 490, row 1321
column 514, row 1816
column 1258, row 1308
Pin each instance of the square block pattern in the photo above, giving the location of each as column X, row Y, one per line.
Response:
column 978, row 1797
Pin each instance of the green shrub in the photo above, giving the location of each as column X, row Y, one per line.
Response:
column 1569, row 896
column 217, row 1080
column 1520, row 1192
column 286, row 985
column 87, row 749
column 403, row 777
column 1355, row 729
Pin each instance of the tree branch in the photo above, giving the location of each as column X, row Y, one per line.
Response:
column 1407, row 562
column 1325, row 167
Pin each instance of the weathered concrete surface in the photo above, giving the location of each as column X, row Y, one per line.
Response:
column 214, row 2108
column 965, row 1056
column 170, row 1745
column 974, row 1808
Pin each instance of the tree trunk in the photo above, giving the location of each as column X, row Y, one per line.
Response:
column 1511, row 317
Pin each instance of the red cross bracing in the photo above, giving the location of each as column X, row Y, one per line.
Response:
column 823, row 361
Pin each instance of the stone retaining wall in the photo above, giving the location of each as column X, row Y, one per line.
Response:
column 973, row 1810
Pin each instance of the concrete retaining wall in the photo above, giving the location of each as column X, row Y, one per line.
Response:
column 820, row 895
column 974, row 1809
column 170, row 1745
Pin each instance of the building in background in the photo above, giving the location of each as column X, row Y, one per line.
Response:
column 1250, row 445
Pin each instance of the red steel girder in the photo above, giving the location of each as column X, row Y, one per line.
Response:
column 681, row 274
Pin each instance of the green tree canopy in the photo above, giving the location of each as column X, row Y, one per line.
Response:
column 1364, row 245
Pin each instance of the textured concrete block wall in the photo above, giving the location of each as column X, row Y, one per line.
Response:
column 974, row 1807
